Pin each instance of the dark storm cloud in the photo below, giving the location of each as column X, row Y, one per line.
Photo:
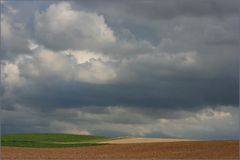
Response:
column 183, row 25
column 175, row 94
column 155, row 9
column 175, row 8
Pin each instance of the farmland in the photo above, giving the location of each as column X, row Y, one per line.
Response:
column 69, row 146
column 47, row 140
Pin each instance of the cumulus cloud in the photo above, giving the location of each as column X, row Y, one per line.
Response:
column 11, row 75
column 14, row 40
column 63, row 65
column 62, row 27
column 83, row 56
column 97, row 79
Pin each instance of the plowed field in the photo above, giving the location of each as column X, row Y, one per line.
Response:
column 179, row 150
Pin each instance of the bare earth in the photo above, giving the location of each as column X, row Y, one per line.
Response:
column 144, row 140
column 179, row 150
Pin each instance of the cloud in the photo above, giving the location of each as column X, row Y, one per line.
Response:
column 212, row 122
column 12, row 77
column 161, row 9
column 61, row 27
column 131, row 68
column 83, row 56
column 167, row 80
column 64, row 127
column 14, row 40
column 66, row 65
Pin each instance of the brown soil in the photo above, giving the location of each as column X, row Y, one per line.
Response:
column 179, row 150
column 144, row 140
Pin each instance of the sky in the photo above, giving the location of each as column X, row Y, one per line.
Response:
column 150, row 68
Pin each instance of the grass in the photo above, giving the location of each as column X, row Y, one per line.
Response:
column 48, row 140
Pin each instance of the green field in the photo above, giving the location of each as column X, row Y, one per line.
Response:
column 42, row 140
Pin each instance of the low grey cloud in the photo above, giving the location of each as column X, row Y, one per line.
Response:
column 205, row 123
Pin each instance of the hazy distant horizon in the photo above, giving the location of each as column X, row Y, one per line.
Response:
column 141, row 68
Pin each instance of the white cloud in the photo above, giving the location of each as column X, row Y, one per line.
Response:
column 80, row 66
column 62, row 27
column 32, row 45
column 209, row 114
column 64, row 127
column 96, row 71
column 83, row 56
column 11, row 75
